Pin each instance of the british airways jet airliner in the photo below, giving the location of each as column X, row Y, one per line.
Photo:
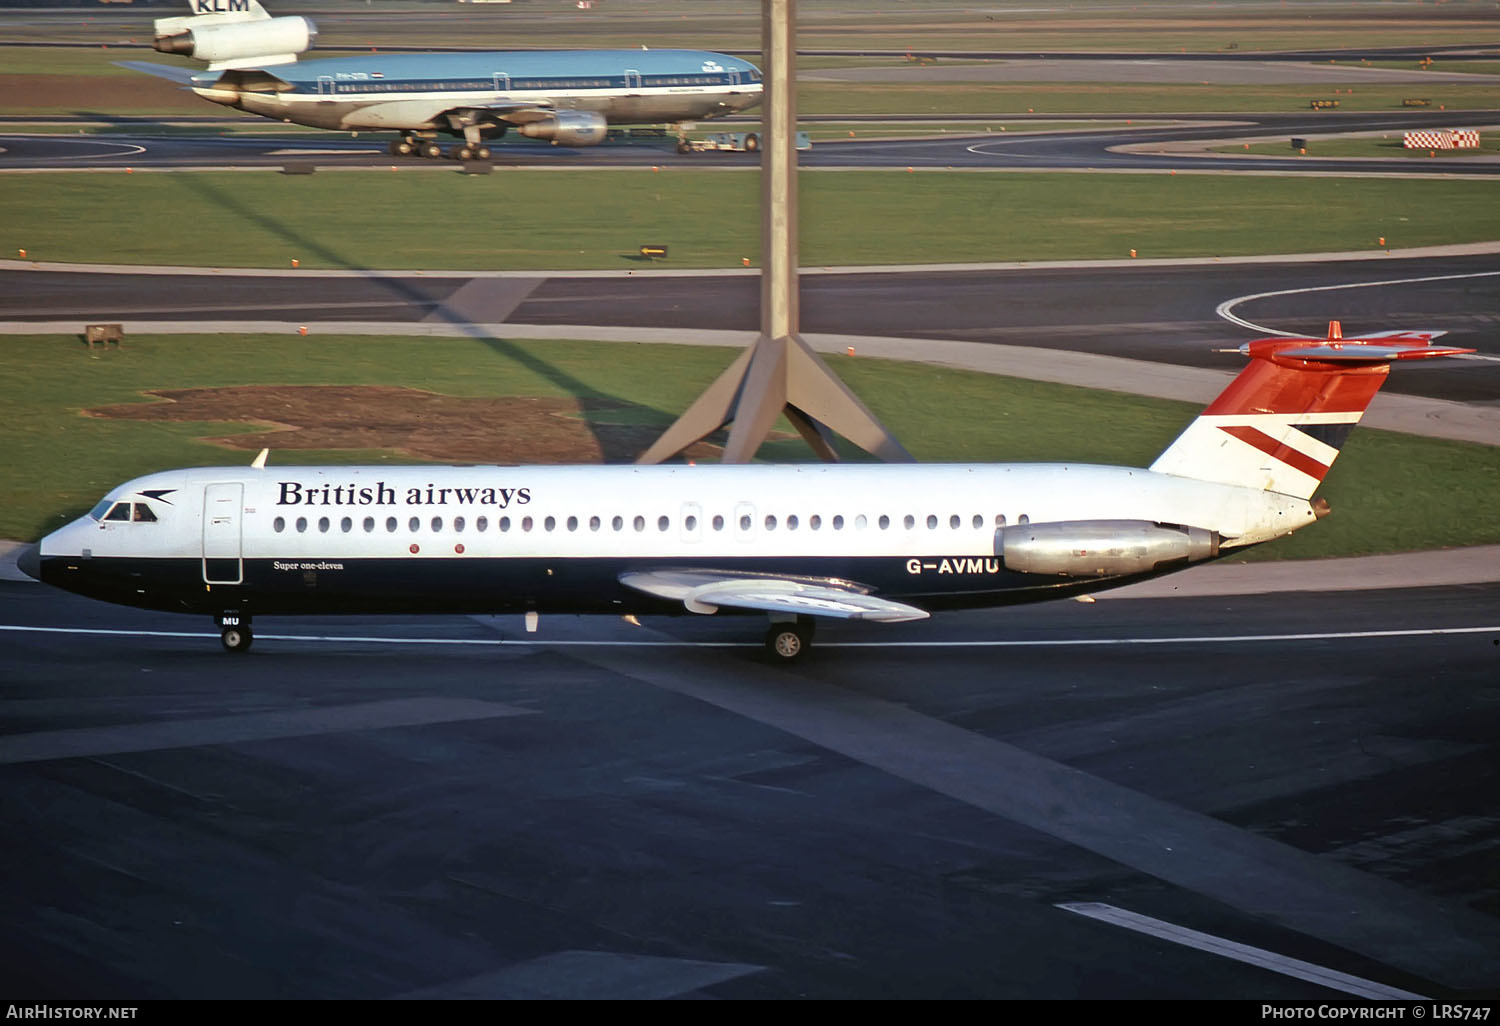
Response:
column 881, row 542
column 570, row 97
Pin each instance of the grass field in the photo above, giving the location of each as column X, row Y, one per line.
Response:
column 520, row 219
column 1123, row 98
column 1389, row 492
column 62, row 80
column 851, row 24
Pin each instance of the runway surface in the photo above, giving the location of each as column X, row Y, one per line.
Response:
column 1211, row 792
column 1175, row 313
column 489, row 814
column 1037, row 151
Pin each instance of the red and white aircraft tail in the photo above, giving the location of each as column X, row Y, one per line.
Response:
column 1279, row 425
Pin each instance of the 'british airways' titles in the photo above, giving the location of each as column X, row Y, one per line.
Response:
column 294, row 493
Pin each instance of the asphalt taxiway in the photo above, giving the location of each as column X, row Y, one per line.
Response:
column 1083, row 322
column 1244, row 782
column 1118, row 144
column 1294, row 788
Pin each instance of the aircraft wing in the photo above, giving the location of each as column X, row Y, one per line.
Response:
column 705, row 591
column 182, row 76
column 517, row 113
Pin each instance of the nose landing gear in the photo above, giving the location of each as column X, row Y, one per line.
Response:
column 234, row 631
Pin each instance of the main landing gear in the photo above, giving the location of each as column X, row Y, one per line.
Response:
column 234, row 631
column 413, row 146
column 787, row 640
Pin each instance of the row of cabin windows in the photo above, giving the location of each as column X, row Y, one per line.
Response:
column 791, row 522
column 448, row 85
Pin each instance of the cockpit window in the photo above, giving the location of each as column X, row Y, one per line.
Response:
column 138, row 512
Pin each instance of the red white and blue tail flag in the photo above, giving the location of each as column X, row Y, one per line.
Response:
column 1280, row 424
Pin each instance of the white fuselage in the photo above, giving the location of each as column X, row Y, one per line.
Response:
column 486, row 538
column 412, row 92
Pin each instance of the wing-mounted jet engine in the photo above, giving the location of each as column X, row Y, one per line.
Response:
column 564, row 127
column 234, row 34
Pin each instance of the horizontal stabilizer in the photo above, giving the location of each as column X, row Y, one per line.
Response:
column 1362, row 351
column 182, row 76
column 705, row 591
column 1379, row 347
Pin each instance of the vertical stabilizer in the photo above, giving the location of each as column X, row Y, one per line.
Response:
column 212, row 12
column 1280, row 424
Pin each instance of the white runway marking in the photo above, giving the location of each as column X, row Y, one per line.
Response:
column 121, row 149
column 1240, row 952
column 1226, row 308
column 314, row 153
column 1219, row 639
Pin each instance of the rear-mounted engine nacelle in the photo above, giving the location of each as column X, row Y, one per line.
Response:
column 273, row 37
column 568, row 128
column 1101, row 548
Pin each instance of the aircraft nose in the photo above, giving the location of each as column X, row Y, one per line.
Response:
column 29, row 562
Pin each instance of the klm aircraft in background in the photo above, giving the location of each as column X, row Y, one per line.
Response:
column 570, row 97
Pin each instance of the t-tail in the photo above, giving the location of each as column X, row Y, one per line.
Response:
column 1280, row 424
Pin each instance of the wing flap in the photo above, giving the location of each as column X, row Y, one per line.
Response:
column 706, row 591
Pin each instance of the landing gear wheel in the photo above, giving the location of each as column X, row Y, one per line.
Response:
column 236, row 639
column 787, row 641
column 431, row 150
column 683, row 147
column 403, row 148
column 393, row 148
column 461, row 153
column 752, row 143
column 482, row 153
